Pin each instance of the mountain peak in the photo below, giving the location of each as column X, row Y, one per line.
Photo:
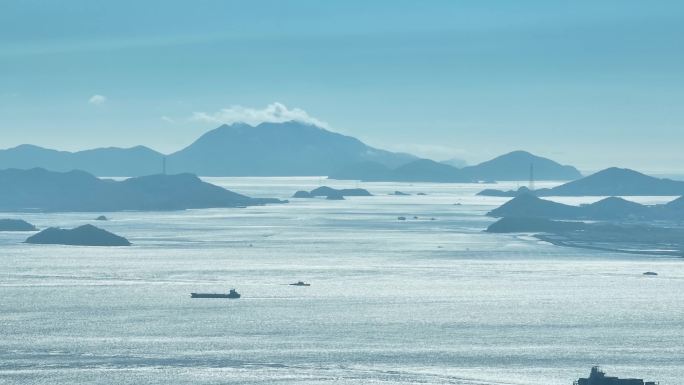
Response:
column 276, row 149
column 516, row 166
column 619, row 182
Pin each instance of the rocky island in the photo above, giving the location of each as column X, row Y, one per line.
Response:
column 332, row 194
column 86, row 235
column 16, row 225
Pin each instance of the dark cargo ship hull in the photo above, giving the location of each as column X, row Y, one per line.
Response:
column 210, row 295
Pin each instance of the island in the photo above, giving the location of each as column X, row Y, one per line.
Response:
column 609, row 182
column 611, row 208
column 290, row 148
column 16, row 225
column 302, row 194
column 623, row 238
column 86, row 235
column 332, row 194
column 78, row 191
column 518, row 165
column 612, row 224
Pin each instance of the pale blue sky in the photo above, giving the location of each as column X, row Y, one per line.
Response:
column 592, row 83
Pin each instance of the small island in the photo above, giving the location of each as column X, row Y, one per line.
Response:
column 86, row 235
column 302, row 194
column 16, row 225
column 332, row 194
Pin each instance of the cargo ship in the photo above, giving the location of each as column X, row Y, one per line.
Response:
column 232, row 294
column 598, row 377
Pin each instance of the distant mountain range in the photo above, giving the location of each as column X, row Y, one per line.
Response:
column 282, row 149
column 49, row 191
column 516, row 165
column 136, row 161
column 609, row 182
column 269, row 149
column 419, row 170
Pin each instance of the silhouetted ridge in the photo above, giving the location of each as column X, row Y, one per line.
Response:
column 269, row 149
column 621, row 226
column 420, row 170
column 348, row 192
column 111, row 161
column 516, row 166
column 530, row 206
column 609, row 182
column 425, row 170
column 512, row 166
column 612, row 208
column 86, row 235
column 42, row 190
column 276, row 149
column 618, row 182
column 332, row 194
column 16, row 225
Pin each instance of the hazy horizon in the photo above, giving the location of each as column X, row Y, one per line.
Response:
column 469, row 162
column 592, row 83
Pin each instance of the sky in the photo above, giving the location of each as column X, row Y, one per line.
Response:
column 591, row 83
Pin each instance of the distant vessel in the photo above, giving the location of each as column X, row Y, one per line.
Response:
column 232, row 294
column 598, row 377
column 650, row 273
column 300, row 283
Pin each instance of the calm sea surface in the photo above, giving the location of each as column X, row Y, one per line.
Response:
column 419, row 301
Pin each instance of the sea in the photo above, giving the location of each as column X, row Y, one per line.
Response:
column 427, row 300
